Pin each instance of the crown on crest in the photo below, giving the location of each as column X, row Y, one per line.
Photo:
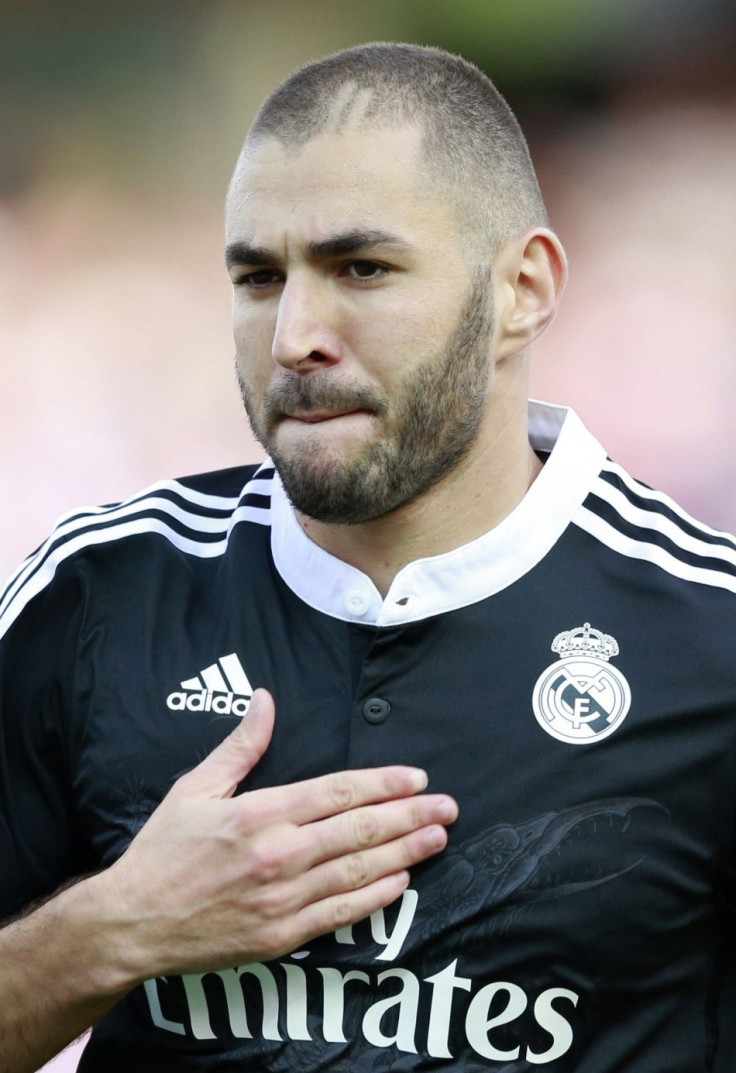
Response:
column 585, row 641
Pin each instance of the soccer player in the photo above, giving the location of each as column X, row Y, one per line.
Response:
column 220, row 698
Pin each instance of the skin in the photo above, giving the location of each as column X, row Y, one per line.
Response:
column 367, row 319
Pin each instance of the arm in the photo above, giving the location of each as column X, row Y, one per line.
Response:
column 214, row 880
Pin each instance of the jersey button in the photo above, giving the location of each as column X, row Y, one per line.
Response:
column 376, row 710
column 357, row 601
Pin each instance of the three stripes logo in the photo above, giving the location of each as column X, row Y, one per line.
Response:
column 222, row 688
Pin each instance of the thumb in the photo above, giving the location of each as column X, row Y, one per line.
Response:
column 229, row 762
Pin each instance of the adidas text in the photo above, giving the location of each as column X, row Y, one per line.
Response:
column 205, row 701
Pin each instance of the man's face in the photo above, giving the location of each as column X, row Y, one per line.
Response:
column 362, row 337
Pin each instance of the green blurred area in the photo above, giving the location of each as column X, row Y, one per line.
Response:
column 158, row 93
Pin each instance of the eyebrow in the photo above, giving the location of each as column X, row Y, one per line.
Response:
column 356, row 241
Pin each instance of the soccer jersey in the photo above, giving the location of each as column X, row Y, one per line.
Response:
column 568, row 677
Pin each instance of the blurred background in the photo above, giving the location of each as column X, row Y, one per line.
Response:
column 120, row 122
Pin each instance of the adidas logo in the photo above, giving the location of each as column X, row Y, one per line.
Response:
column 222, row 688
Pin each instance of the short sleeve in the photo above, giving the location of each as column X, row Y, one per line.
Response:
column 40, row 627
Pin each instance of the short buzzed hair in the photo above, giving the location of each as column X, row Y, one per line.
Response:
column 472, row 142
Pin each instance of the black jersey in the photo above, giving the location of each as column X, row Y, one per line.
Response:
column 568, row 677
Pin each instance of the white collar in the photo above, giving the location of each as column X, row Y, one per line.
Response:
column 466, row 574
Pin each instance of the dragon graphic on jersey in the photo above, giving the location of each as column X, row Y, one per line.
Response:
column 509, row 861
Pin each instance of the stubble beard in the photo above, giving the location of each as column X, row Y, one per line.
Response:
column 428, row 426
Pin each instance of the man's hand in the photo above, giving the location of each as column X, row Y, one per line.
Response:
column 214, row 880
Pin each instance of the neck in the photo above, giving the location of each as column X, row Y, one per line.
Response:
column 470, row 500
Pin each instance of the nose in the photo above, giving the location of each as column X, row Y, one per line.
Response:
column 305, row 336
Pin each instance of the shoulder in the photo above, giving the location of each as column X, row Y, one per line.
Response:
column 189, row 516
column 651, row 531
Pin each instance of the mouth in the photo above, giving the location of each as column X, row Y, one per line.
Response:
column 320, row 416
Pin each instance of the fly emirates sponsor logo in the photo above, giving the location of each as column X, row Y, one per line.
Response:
column 294, row 1000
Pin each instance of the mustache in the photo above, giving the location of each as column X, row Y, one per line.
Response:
column 314, row 393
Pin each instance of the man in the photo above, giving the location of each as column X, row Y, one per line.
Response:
column 419, row 578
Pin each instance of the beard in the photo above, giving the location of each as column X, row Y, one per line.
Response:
column 427, row 425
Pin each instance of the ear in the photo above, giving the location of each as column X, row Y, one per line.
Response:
column 529, row 275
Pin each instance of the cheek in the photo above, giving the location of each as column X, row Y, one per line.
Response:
column 417, row 319
column 252, row 356
column 253, row 328
column 384, row 334
column 253, row 337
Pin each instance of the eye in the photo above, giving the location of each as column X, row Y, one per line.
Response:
column 366, row 270
column 259, row 279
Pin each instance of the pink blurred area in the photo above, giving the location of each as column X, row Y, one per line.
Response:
column 645, row 342
column 116, row 351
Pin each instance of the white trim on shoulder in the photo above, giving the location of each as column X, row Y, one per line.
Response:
column 654, row 521
column 103, row 525
column 652, row 553
column 654, row 496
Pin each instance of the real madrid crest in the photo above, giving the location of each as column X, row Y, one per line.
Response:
column 582, row 698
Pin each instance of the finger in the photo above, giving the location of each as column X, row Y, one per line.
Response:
column 330, row 795
column 373, row 825
column 229, row 762
column 355, row 870
column 340, row 910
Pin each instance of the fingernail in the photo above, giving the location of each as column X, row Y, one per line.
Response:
column 438, row 837
column 419, row 779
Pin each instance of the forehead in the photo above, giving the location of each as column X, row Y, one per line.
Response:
column 374, row 177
